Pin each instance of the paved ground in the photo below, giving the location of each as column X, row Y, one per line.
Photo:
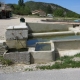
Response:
column 63, row 74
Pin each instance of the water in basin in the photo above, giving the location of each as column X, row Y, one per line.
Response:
column 43, row 47
column 32, row 42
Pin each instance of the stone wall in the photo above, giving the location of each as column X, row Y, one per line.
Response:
column 18, row 44
column 18, row 57
column 47, row 27
column 2, row 48
column 67, row 47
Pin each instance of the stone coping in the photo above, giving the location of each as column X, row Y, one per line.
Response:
column 65, row 40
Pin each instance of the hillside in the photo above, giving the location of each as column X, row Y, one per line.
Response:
column 46, row 7
column 43, row 6
column 56, row 9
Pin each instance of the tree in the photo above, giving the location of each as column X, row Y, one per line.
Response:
column 49, row 10
column 21, row 2
column 59, row 12
column 72, row 14
column 79, row 15
column 27, row 10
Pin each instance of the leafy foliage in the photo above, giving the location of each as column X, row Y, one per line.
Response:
column 59, row 12
column 26, row 8
column 21, row 2
column 49, row 10
column 20, row 9
column 72, row 14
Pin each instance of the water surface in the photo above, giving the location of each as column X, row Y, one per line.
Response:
column 32, row 42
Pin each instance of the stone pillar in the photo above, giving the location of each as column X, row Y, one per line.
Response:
column 16, row 36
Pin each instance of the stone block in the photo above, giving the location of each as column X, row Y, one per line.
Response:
column 16, row 44
column 18, row 57
column 16, row 34
column 42, row 56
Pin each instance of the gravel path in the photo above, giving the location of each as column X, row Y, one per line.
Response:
column 62, row 74
column 21, row 67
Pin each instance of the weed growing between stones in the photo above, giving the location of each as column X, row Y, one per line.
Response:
column 5, row 61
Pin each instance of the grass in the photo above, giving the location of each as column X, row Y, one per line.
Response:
column 5, row 61
column 28, row 69
column 65, row 62
column 77, row 55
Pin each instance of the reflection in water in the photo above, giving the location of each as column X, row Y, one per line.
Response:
column 43, row 47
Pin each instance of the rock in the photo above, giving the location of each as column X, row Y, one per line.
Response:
column 76, row 59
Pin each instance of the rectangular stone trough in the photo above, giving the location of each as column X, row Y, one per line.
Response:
column 66, row 47
column 18, row 57
column 43, row 53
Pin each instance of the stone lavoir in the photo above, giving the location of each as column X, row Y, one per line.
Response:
column 18, row 50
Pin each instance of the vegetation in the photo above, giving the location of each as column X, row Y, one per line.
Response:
column 59, row 13
column 20, row 8
column 25, row 9
column 21, row 2
column 64, row 62
column 28, row 69
column 49, row 10
column 5, row 61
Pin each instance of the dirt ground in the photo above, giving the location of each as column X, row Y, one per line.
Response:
column 5, row 23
